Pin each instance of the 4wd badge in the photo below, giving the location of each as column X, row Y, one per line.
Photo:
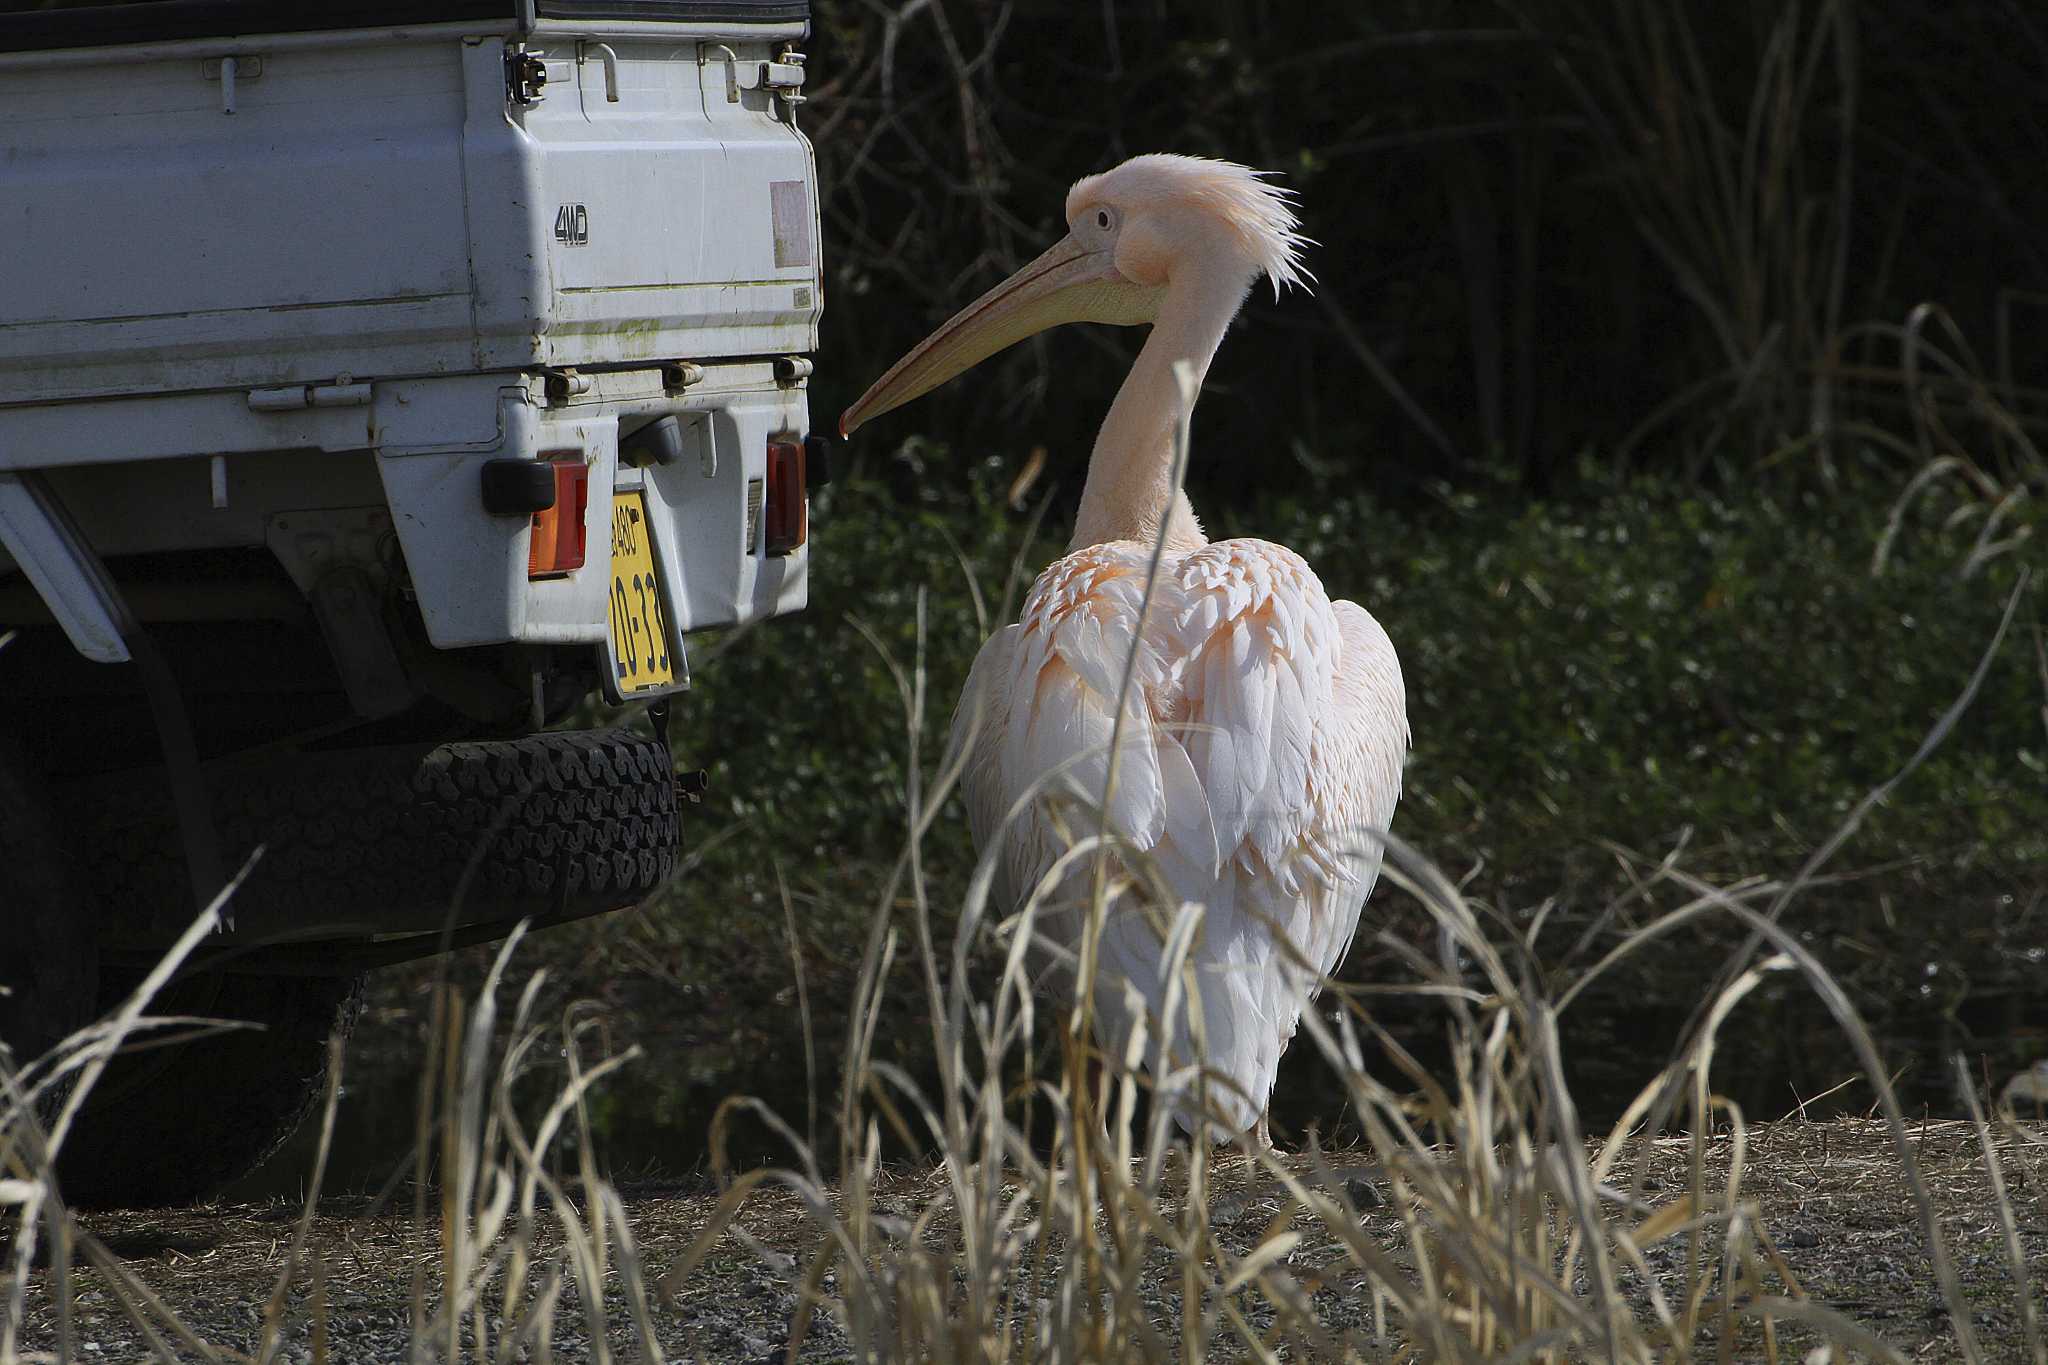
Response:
column 572, row 225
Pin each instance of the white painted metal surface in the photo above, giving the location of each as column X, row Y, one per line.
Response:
column 343, row 295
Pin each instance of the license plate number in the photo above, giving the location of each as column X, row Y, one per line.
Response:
column 640, row 647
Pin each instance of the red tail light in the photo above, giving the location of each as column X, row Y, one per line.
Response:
column 556, row 546
column 785, row 508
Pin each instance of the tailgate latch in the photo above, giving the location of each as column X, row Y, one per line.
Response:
column 783, row 77
column 526, row 77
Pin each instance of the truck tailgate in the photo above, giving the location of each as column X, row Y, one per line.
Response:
column 376, row 203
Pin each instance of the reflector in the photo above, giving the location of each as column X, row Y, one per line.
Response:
column 556, row 546
column 787, row 512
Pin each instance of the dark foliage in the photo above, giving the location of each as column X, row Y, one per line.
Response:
column 1544, row 227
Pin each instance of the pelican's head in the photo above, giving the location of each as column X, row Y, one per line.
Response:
column 1158, row 212
column 1131, row 231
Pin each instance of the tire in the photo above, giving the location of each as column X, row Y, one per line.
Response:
column 48, row 960
column 364, row 841
column 173, row 1124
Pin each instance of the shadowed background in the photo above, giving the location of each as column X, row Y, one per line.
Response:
column 1660, row 232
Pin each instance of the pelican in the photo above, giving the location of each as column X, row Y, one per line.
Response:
column 1264, row 725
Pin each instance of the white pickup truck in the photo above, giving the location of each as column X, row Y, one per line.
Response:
column 377, row 381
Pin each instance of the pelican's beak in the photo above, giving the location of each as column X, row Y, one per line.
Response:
column 1073, row 282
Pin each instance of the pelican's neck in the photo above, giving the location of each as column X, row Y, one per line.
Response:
column 1130, row 473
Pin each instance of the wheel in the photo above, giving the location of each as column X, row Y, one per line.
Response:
column 47, row 957
column 174, row 1124
column 402, row 838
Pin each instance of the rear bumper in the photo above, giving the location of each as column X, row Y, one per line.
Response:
column 403, row 468
column 469, row 567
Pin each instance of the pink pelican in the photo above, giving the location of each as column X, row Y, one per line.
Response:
column 1264, row 726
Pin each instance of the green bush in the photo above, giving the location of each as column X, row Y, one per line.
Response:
column 1653, row 657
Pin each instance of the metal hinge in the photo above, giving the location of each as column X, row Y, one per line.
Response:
column 564, row 384
column 231, row 68
column 230, row 71
column 526, row 77
column 344, row 392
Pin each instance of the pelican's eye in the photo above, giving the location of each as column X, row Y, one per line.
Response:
column 1103, row 219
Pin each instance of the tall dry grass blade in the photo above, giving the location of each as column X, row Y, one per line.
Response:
column 803, row 1008
column 317, row 1345
column 1985, row 549
column 452, row 1178
column 510, row 1067
column 1083, row 1018
column 596, row 1229
column 632, row 1280
column 1564, row 1115
column 439, row 1053
column 1933, row 469
column 2015, row 1254
column 271, row 1342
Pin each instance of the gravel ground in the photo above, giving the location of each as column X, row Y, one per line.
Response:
column 1830, row 1196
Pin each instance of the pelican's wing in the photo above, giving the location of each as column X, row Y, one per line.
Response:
column 1295, row 723
column 1067, row 659
column 1040, row 708
column 1074, row 645
column 1256, row 642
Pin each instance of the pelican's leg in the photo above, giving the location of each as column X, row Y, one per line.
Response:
column 1262, row 1132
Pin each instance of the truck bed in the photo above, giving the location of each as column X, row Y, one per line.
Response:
column 354, row 198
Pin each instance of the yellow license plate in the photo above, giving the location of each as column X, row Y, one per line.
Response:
column 640, row 648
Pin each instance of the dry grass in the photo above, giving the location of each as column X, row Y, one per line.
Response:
column 1478, row 1223
column 1829, row 1192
